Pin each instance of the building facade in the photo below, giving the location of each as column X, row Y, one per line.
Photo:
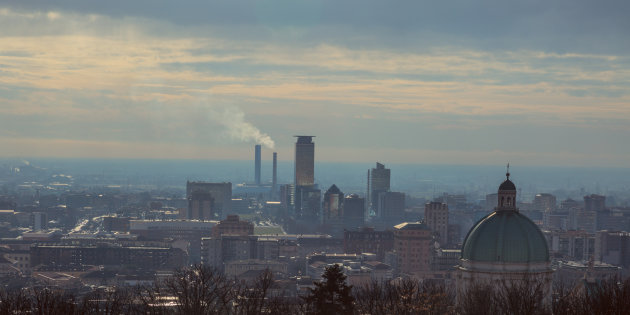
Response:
column 413, row 245
column 304, row 161
column 378, row 181
column 221, row 193
column 436, row 217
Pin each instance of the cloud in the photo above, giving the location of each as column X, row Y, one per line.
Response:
column 86, row 74
column 558, row 26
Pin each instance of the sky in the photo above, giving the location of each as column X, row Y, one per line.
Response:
column 427, row 82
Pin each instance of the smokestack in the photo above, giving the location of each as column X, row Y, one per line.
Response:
column 274, row 179
column 257, row 164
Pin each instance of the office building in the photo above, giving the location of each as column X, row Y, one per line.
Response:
column 307, row 202
column 221, row 193
column 413, row 246
column 571, row 245
column 187, row 230
column 613, row 248
column 332, row 207
column 74, row 256
column 594, row 203
column 309, row 206
column 545, row 203
column 200, row 206
column 378, row 182
column 304, row 161
column 436, row 217
column 353, row 212
column 233, row 226
column 390, row 205
column 368, row 240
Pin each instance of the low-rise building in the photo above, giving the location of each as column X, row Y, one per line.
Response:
column 238, row 267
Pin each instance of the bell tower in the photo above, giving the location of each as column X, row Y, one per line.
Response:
column 507, row 194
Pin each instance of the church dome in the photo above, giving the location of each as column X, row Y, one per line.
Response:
column 507, row 185
column 505, row 236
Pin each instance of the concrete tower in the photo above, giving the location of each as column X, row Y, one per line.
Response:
column 274, row 178
column 257, row 164
column 304, row 161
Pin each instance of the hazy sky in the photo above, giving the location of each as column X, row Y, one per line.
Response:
column 455, row 82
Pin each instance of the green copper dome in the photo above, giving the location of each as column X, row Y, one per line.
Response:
column 505, row 236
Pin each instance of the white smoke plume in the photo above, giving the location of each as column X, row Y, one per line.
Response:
column 233, row 119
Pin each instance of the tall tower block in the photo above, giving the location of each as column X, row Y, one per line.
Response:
column 304, row 161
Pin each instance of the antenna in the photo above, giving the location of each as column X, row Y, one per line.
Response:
column 508, row 171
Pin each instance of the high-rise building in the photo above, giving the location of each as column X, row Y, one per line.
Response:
column 436, row 217
column 307, row 196
column 287, row 196
column 545, row 202
column 332, row 211
column 594, row 203
column 200, row 206
column 390, row 205
column 333, row 204
column 308, row 202
column 257, row 164
column 304, row 161
column 613, row 248
column 220, row 192
column 412, row 244
column 353, row 212
column 378, row 182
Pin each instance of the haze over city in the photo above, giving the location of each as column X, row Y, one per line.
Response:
column 461, row 82
column 314, row 157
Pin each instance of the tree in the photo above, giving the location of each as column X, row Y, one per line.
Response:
column 331, row 296
column 200, row 290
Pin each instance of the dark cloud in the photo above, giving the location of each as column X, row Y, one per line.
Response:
column 560, row 26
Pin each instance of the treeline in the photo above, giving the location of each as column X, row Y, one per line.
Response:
column 201, row 290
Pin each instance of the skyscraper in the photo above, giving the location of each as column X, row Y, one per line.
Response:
column 332, row 211
column 307, row 195
column 378, row 182
column 353, row 212
column 333, row 204
column 436, row 217
column 594, row 202
column 304, row 161
column 257, row 163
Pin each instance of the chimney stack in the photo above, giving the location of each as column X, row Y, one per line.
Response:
column 274, row 180
column 257, row 164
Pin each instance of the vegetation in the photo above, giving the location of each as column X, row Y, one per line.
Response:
column 331, row 296
column 202, row 290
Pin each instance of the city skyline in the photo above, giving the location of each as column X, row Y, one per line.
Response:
column 314, row 157
column 533, row 84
